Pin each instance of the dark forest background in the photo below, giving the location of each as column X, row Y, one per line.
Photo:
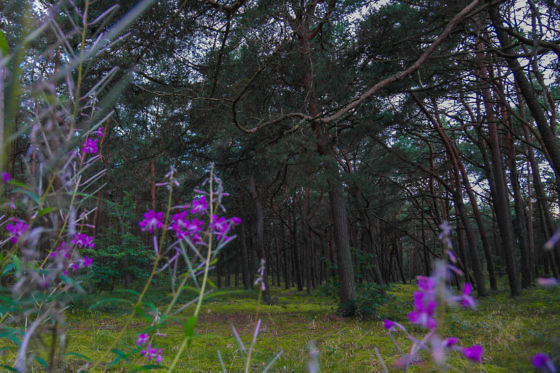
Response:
column 345, row 131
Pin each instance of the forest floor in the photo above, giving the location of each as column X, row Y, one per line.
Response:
column 511, row 331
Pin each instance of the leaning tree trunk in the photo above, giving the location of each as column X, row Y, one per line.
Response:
column 549, row 139
column 501, row 201
column 520, row 223
column 459, row 169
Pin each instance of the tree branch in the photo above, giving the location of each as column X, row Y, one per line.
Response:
column 396, row 77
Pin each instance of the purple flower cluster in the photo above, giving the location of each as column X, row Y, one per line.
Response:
column 64, row 251
column 6, row 177
column 544, row 363
column 186, row 225
column 473, row 353
column 424, row 303
column 186, row 228
column 85, row 262
column 90, row 146
column 17, row 228
column 149, row 352
column 152, row 220
column 199, row 205
column 61, row 251
column 430, row 291
column 83, row 240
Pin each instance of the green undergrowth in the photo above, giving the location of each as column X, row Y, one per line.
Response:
column 511, row 331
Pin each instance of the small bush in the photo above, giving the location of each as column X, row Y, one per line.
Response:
column 369, row 298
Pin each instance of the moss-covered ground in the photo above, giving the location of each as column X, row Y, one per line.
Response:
column 511, row 331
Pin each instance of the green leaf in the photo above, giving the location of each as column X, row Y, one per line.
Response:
column 18, row 183
column 149, row 367
column 17, row 263
column 77, row 355
column 45, row 211
column 8, row 268
column 272, row 361
column 31, row 195
column 152, row 307
column 189, row 326
column 4, row 47
column 71, row 281
column 211, row 283
column 120, row 356
column 9, row 368
column 109, row 300
column 133, row 292
column 224, row 293
column 42, row 362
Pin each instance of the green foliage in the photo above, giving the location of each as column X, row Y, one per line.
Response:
column 369, row 299
column 118, row 254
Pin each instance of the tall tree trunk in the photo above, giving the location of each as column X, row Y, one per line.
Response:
column 459, row 169
column 347, row 289
column 520, row 223
column 543, row 211
column 503, row 213
column 501, row 202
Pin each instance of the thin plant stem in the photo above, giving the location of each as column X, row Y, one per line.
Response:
column 205, row 276
column 251, row 347
column 80, row 68
column 146, row 286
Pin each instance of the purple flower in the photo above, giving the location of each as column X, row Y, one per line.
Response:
column 87, row 261
column 99, row 132
column 544, row 363
column 388, row 324
column 151, row 352
column 473, row 353
column 426, row 283
column 16, row 230
column 424, row 306
column 159, row 358
column 445, row 228
column 90, row 146
column 142, row 339
column 61, row 250
column 219, row 224
column 235, row 220
column 199, row 205
column 547, row 281
column 6, row 177
column 423, row 319
column 448, row 342
column 83, row 240
column 552, row 241
column 466, row 300
column 152, row 220
column 75, row 266
column 185, row 228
